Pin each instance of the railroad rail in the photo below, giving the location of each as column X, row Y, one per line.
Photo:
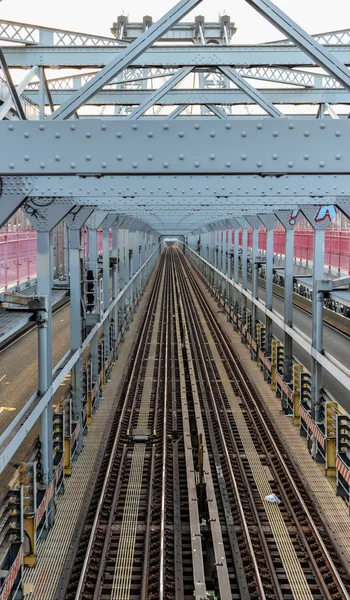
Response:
column 179, row 508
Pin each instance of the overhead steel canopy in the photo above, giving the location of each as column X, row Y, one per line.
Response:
column 167, row 146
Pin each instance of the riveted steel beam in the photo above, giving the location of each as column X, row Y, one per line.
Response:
column 184, row 186
column 267, row 147
column 172, row 56
column 182, row 96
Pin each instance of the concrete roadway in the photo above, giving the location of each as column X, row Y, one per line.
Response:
column 19, row 366
column 19, row 381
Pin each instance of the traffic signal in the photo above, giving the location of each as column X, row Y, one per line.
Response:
column 279, row 359
column 90, row 296
column 261, row 336
column 305, row 387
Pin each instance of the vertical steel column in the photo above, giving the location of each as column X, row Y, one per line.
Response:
column 288, row 305
column 41, row 99
column 216, row 259
column 244, row 271
column 127, row 270
column 219, row 260
column 65, row 252
column 142, row 256
column 122, row 271
column 255, row 267
column 137, row 262
column 106, row 293
column 131, row 267
column 229, row 268
column 75, row 277
column 317, row 324
column 210, row 255
column 268, row 292
column 115, row 232
column 236, row 270
column 223, row 263
column 52, row 251
column 58, row 229
column 44, row 258
column 224, row 251
column 93, row 251
column 146, row 255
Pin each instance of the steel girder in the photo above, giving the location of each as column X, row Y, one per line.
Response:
column 95, row 147
column 184, row 186
column 294, row 77
column 182, row 96
column 169, row 56
column 28, row 34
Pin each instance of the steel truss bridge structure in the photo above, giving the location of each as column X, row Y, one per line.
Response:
column 169, row 129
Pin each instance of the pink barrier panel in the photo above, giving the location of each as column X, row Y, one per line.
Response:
column 17, row 258
column 337, row 246
column 18, row 251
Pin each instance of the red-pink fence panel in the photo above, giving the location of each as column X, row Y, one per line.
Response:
column 17, row 258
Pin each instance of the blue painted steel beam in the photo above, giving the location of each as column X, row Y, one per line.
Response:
column 98, row 147
column 172, row 56
column 170, row 186
column 182, row 96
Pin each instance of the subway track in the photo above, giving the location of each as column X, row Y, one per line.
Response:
column 178, row 510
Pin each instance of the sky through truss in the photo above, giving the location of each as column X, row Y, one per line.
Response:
column 79, row 15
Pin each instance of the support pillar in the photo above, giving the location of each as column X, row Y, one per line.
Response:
column 269, row 222
column 288, row 219
column 317, row 325
column 93, row 252
column 269, row 288
column 131, row 268
column 244, row 271
column 236, row 270
column 288, row 305
column 319, row 219
column 223, row 263
column 45, row 266
column 229, row 268
column 115, row 317
column 106, row 294
column 255, row 268
column 75, row 284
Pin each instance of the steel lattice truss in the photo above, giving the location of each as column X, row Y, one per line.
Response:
column 171, row 123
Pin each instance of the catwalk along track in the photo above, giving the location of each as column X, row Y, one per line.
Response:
column 179, row 508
